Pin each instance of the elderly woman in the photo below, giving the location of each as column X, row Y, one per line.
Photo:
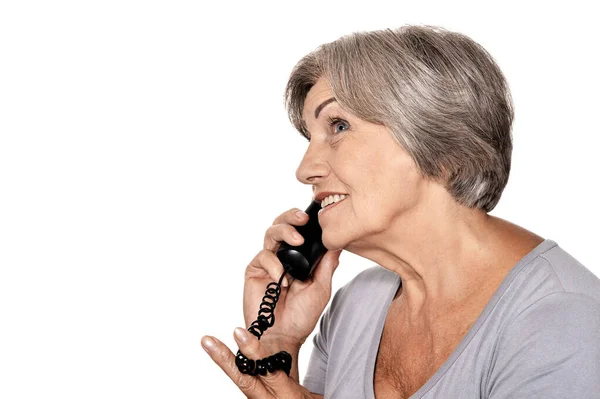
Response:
column 410, row 148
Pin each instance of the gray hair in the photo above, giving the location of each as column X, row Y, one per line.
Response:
column 441, row 94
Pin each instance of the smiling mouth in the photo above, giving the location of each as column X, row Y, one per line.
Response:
column 333, row 199
column 330, row 206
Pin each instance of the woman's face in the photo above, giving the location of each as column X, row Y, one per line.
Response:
column 347, row 155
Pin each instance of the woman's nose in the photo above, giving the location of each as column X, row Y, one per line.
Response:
column 313, row 168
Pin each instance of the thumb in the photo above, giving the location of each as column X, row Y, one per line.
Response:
column 323, row 273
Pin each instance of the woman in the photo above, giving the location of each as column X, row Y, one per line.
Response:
column 412, row 128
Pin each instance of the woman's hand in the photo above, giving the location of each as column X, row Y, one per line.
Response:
column 300, row 303
column 296, row 314
column 271, row 386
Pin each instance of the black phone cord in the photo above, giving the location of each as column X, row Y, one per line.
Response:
column 266, row 319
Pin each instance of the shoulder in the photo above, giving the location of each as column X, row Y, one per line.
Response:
column 552, row 290
column 544, row 275
column 366, row 284
column 573, row 276
column 559, row 315
column 551, row 346
column 370, row 278
column 362, row 295
column 558, row 326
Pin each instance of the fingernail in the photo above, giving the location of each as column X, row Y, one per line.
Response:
column 240, row 334
column 296, row 236
column 300, row 214
column 285, row 282
column 208, row 344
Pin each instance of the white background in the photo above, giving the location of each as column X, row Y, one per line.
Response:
column 145, row 149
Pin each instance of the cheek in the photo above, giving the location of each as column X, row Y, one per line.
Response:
column 382, row 182
column 396, row 186
column 361, row 167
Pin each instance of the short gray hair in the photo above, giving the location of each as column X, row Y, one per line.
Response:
column 440, row 93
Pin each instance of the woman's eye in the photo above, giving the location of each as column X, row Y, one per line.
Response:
column 339, row 125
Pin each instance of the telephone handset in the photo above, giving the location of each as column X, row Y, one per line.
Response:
column 300, row 261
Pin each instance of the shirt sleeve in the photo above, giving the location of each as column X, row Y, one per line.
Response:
column 314, row 380
column 316, row 375
column 550, row 350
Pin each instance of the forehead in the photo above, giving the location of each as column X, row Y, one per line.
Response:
column 318, row 93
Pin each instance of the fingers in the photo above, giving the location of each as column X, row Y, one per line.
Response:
column 266, row 262
column 220, row 354
column 281, row 232
column 250, row 346
column 291, row 217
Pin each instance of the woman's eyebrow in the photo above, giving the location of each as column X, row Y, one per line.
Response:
column 322, row 105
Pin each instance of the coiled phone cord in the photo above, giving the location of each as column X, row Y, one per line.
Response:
column 266, row 319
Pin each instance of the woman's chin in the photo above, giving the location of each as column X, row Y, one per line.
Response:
column 333, row 244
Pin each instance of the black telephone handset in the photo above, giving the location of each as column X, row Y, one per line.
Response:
column 301, row 260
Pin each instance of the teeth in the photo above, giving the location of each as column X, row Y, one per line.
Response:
column 331, row 199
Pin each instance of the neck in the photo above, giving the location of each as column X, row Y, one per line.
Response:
column 445, row 254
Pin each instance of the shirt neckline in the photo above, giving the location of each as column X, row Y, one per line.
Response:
column 374, row 348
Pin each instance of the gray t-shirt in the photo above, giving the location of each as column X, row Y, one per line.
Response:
column 538, row 336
